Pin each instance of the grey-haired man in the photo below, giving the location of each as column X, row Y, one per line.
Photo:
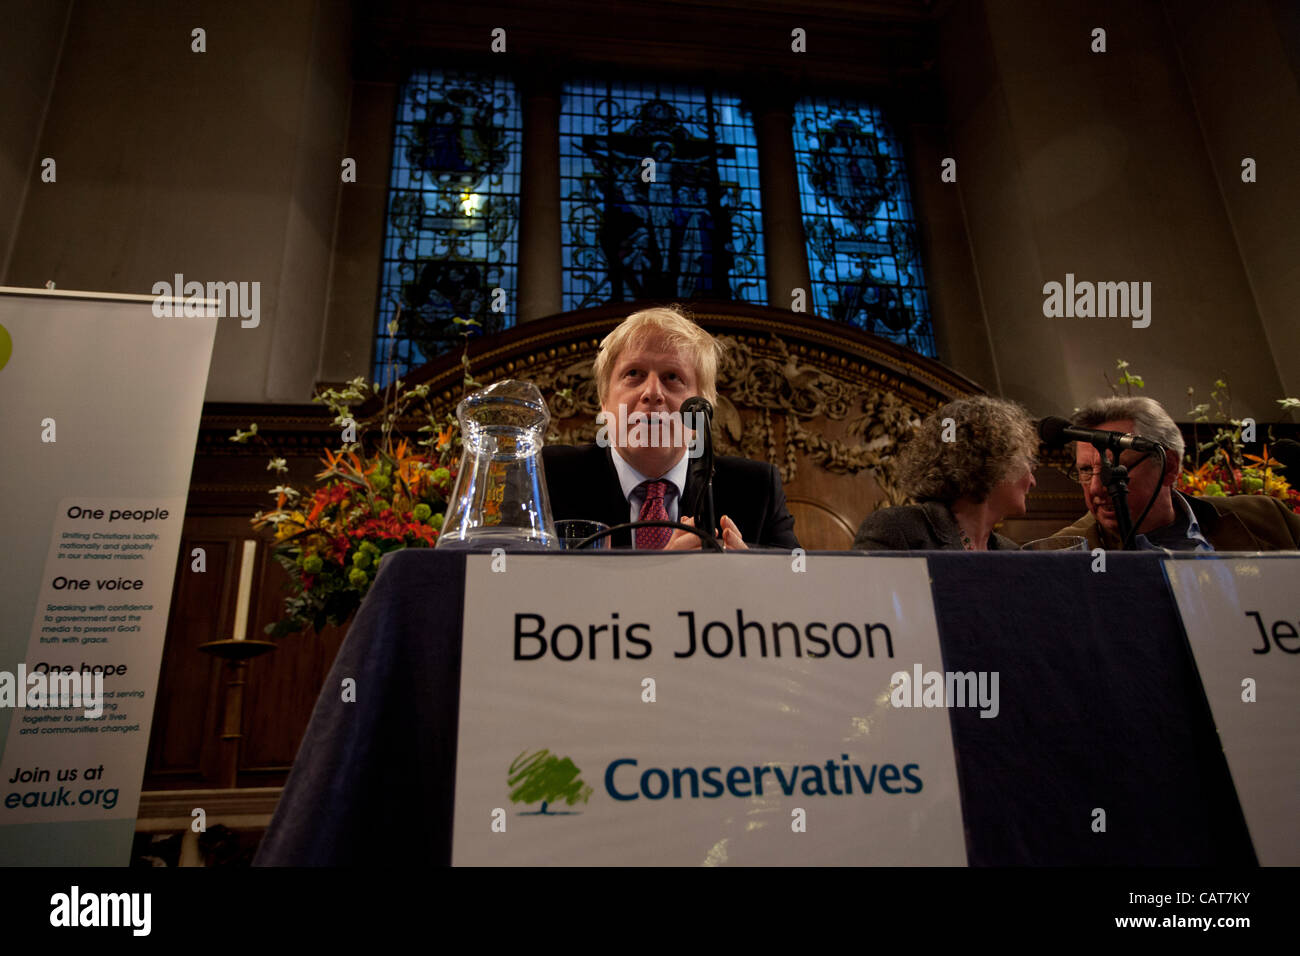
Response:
column 1175, row 522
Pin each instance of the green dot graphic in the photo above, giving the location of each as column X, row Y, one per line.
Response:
column 6, row 346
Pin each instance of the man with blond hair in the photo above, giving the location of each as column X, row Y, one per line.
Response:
column 638, row 469
column 1174, row 521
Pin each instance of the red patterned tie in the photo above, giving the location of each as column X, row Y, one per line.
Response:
column 653, row 539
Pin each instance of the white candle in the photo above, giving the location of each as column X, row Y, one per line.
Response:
column 245, row 588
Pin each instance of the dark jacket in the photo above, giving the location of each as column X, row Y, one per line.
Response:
column 929, row 526
column 582, row 483
column 1235, row 523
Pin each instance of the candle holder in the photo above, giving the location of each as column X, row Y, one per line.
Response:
column 237, row 654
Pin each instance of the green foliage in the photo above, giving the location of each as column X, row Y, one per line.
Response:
column 1220, row 465
column 381, row 493
column 1125, row 379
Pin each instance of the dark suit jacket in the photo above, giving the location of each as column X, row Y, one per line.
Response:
column 1235, row 523
column 929, row 526
column 582, row 483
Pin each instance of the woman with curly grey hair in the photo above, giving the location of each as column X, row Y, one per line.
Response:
column 968, row 466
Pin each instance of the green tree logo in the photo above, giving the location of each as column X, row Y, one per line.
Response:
column 548, row 778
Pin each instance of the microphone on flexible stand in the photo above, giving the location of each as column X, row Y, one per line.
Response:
column 1056, row 432
column 699, row 477
column 700, row 469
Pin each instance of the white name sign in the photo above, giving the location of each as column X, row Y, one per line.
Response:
column 1242, row 617
column 700, row 709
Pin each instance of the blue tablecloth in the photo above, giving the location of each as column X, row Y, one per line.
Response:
column 1101, row 707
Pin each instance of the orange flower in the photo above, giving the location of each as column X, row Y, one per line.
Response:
column 1263, row 463
column 334, row 462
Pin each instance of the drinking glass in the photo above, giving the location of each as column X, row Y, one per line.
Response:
column 1068, row 542
column 573, row 531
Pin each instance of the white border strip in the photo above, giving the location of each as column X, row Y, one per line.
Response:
column 109, row 296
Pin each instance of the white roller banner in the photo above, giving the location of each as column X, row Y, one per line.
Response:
column 101, row 402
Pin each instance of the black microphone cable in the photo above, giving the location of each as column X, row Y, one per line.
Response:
column 705, row 537
column 1132, row 533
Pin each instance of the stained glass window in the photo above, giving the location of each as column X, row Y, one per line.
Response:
column 453, row 215
column 693, row 230
column 861, row 231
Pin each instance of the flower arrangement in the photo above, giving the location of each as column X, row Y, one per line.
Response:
column 378, row 493
column 1227, row 470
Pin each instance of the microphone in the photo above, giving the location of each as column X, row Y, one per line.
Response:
column 701, row 468
column 1056, row 432
column 697, row 405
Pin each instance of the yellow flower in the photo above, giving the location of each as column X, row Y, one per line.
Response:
column 1276, row 484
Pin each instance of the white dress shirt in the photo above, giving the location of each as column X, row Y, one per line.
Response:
column 629, row 478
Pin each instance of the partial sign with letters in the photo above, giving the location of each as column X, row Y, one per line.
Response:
column 1242, row 617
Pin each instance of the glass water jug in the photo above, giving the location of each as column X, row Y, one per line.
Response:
column 500, row 498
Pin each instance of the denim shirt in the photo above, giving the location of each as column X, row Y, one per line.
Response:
column 1182, row 534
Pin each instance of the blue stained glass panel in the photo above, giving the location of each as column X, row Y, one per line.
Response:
column 452, row 231
column 694, row 231
column 863, row 252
